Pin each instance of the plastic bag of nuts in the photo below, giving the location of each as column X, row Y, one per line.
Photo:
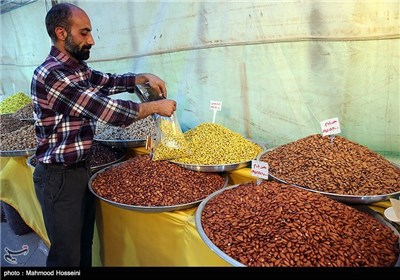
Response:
column 170, row 142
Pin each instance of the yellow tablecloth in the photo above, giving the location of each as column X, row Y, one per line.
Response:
column 17, row 190
column 133, row 238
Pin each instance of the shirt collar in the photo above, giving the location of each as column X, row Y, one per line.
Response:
column 66, row 59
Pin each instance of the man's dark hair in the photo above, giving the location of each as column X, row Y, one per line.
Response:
column 58, row 16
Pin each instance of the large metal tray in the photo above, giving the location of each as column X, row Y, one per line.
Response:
column 217, row 168
column 123, row 143
column 236, row 263
column 145, row 208
column 348, row 199
column 17, row 153
column 93, row 168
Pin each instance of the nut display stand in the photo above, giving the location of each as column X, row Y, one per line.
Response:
column 135, row 238
column 125, row 237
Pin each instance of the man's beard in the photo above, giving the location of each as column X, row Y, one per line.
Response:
column 75, row 51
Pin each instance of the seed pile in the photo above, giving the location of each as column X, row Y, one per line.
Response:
column 25, row 113
column 14, row 102
column 101, row 155
column 16, row 134
column 141, row 181
column 274, row 225
column 339, row 167
column 213, row 144
column 138, row 130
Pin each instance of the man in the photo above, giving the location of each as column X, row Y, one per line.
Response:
column 69, row 98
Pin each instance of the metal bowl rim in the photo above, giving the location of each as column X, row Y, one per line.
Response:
column 98, row 167
column 122, row 143
column 217, row 167
column 16, row 153
column 364, row 199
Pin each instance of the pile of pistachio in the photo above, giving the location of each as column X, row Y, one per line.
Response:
column 14, row 102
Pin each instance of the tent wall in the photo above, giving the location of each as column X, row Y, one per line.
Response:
column 279, row 68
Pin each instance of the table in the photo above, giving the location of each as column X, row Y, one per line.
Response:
column 125, row 237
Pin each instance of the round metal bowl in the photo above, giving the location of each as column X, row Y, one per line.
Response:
column 97, row 168
column 123, row 143
column 213, row 168
column 217, row 168
column 145, row 208
column 349, row 199
column 17, row 153
column 236, row 263
column 93, row 168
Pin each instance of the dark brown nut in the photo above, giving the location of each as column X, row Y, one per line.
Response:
column 317, row 231
column 336, row 166
column 140, row 181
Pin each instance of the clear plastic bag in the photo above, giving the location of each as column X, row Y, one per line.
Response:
column 170, row 142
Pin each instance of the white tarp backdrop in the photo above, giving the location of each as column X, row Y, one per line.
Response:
column 278, row 67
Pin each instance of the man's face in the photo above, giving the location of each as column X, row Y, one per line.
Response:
column 79, row 52
column 79, row 38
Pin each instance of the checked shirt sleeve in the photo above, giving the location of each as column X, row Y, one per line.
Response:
column 72, row 95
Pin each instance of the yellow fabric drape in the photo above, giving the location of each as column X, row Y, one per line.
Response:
column 18, row 191
column 134, row 238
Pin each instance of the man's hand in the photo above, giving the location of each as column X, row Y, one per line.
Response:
column 163, row 107
column 153, row 81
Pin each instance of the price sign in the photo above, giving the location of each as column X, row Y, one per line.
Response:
column 259, row 169
column 215, row 106
column 331, row 126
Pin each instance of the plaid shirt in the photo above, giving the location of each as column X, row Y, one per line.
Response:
column 69, row 98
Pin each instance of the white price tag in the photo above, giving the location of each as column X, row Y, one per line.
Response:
column 259, row 169
column 331, row 126
column 215, row 105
